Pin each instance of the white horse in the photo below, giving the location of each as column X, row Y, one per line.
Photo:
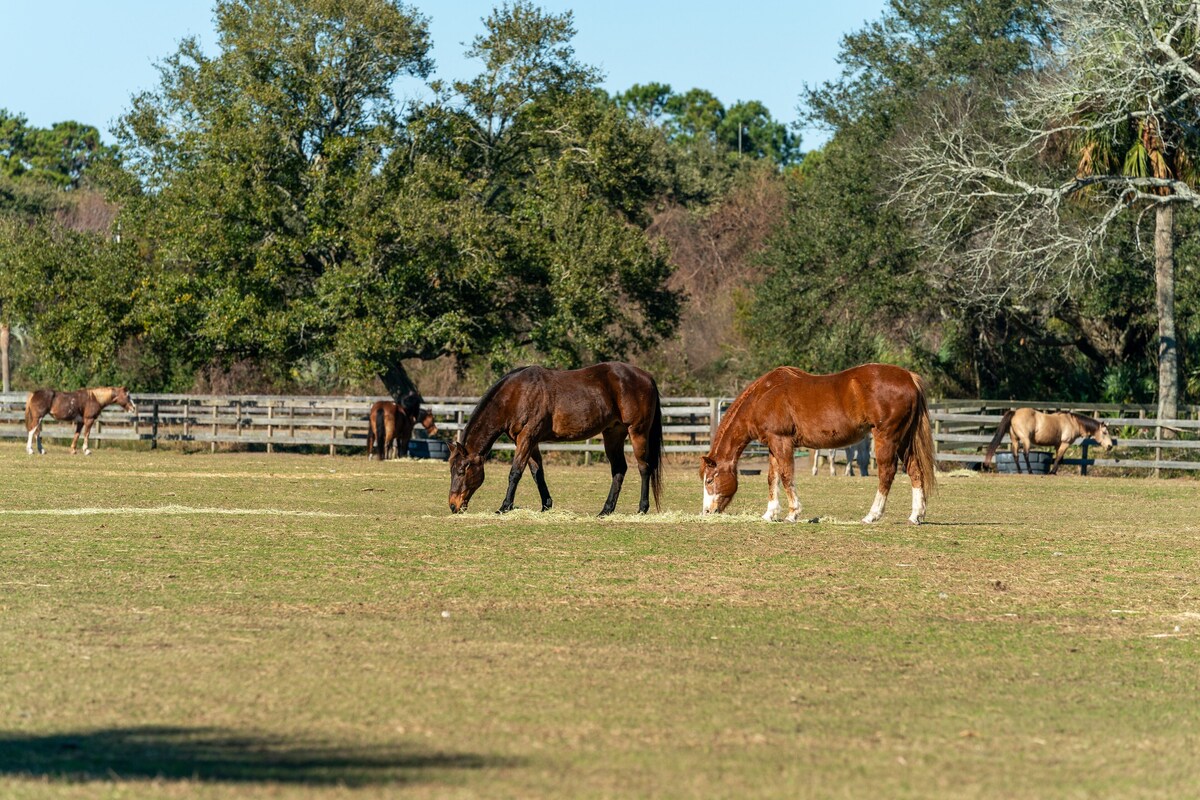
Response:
column 859, row 453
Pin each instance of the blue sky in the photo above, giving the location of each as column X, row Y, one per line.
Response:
column 84, row 59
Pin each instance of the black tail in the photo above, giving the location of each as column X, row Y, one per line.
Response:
column 380, row 434
column 1005, row 422
column 654, row 451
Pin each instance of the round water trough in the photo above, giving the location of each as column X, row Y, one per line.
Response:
column 429, row 448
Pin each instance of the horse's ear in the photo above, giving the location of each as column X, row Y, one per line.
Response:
column 457, row 449
column 708, row 462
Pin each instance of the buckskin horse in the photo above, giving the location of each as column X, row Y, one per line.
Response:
column 787, row 408
column 534, row 405
column 81, row 407
column 390, row 424
column 1026, row 426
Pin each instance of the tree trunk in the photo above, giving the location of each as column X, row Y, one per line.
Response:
column 1164, row 300
column 4, row 358
column 396, row 381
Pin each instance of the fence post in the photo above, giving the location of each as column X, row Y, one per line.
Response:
column 1083, row 467
column 187, row 420
column 213, row 445
column 270, row 427
column 714, row 412
column 154, row 428
column 332, row 431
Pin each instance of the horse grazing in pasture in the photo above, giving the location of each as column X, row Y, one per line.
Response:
column 81, row 407
column 787, row 408
column 390, row 426
column 857, row 453
column 534, row 405
column 1025, row 426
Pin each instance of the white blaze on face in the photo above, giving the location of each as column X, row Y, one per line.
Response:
column 710, row 501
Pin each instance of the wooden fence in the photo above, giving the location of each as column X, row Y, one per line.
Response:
column 962, row 428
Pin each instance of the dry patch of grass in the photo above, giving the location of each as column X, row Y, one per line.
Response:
column 314, row 627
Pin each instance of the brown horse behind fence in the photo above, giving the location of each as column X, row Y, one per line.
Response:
column 390, row 426
column 787, row 408
column 1025, row 426
column 81, row 407
column 534, row 405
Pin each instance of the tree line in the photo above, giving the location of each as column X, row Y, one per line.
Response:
column 276, row 211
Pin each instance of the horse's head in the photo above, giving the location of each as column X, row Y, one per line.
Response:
column 121, row 398
column 1104, row 438
column 720, row 484
column 466, row 475
column 427, row 421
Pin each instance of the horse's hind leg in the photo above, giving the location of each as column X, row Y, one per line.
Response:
column 1015, row 445
column 787, row 476
column 539, row 477
column 614, row 449
column 34, row 433
column 918, row 486
column 885, row 463
column 641, row 444
column 75, row 439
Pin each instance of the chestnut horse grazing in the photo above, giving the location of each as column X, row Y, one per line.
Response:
column 1026, row 426
column 81, row 407
column 391, row 424
column 787, row 408
column 533, row 405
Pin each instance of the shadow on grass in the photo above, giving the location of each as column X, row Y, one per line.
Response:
column 214, row 755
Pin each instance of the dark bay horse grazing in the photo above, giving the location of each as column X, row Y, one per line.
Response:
column 534, row 405
column 81, row 407
column 390, row 425
column 787, row 408
column 1026, row 426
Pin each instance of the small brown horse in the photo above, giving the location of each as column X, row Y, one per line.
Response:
column 1026, row 426
column 390, row 425
column 533, row 405
column 81, row 407
column 787, row 408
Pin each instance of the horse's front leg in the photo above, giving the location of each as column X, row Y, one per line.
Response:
column 520, row 460
column 1058, row 456
column 539, row 477
column 773, row 485
column 87, row 430
column 75, row 439
column 787, row 476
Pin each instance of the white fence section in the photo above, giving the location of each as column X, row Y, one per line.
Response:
column 962, row 428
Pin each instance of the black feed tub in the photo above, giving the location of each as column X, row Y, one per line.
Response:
column 429, row 448
column 1039, row 462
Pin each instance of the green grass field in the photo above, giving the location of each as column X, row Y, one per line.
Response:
column 301, row 626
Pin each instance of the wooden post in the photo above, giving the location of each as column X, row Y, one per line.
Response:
column 270, row 427
column 714, row 419
column 332, row 431
column 1083, row 467
column 213, row 445
column 154, row 428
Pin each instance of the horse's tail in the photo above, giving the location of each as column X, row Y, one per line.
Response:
column 1005, row 423
column 921, row 443
column 380, row 434
column 654, row 449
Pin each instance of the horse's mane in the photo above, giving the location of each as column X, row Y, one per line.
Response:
column 750, row 391
column 1087, row 423
column 487, row 398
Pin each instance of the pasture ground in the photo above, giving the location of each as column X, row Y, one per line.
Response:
column 303, row 626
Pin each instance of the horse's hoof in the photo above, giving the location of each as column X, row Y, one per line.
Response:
column 790, row 518
column 917, row 521
column 87, row 452
column 869, row 520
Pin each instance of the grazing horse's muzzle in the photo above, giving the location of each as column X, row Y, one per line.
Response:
column 457, row 506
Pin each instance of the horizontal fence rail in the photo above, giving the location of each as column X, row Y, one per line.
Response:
column 962, row 428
